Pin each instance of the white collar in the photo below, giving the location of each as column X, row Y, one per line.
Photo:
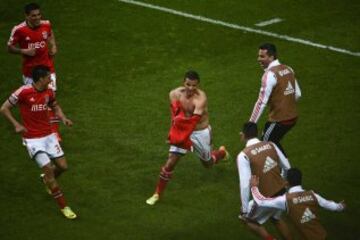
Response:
column 252, row 141
column 297, row 188
column 274, row 63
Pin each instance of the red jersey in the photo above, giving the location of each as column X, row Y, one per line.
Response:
column 36, row 38
column 34, row 110
column 181, row 126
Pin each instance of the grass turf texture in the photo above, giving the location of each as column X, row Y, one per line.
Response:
column 116, row 64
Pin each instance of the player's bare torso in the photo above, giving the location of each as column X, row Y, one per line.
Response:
column 193, row 104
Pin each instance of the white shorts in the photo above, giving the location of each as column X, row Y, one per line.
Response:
column 201, row 144
column 52, row 84
column 262, row 214
column 48, row 144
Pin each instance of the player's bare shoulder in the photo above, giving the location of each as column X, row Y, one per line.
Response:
column 176, row 93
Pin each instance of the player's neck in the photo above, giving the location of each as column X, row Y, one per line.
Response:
column 38, row 87
column 189, row 95
column 30, row 25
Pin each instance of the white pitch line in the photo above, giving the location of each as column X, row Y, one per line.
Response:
column 243, row 28
column 269, row 22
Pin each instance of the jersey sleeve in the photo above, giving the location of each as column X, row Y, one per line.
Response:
column 243, row 166
column 14, row 37
column 277, row 202
column 52, row 95
column 268, row 82
column 297, row 91
column 328, row 204
column 16, row 97
column 52, row 98
column 47, row 24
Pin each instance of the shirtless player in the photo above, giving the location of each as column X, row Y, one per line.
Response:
column 190, row 131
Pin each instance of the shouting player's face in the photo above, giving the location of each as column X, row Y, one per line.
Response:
column 264, row 59
column 34, row 18
column 190, row 86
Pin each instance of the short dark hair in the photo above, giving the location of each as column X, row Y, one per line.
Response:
column 271, row 49
column 250, row 130
column 192, row 75
column 40, row 71
column 294, row 177
column 30, row 7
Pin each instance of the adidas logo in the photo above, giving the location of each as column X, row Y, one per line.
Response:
column 269, row 164
column 289, row 89
column 307, row 216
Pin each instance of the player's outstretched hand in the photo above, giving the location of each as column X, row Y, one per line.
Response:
column 20, row 128
column 343, row 204
column 67, row 122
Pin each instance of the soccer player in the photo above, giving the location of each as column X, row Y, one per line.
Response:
column 280, row 90
column 190, row 130
column 265, row 160
column 35, row 41
column 41, row 143
column 301, row 205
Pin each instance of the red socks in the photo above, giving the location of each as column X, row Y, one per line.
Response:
column 59, row 197
column 164, row 178
column 217, row 155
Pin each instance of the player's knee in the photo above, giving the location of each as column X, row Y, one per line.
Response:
column 207, row 164
column 64, row 168
column 172, row 161
column 62, row 165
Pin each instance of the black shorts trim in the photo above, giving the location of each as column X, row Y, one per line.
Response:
column 40, row 151
column 52, row 159
column 174, row 152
